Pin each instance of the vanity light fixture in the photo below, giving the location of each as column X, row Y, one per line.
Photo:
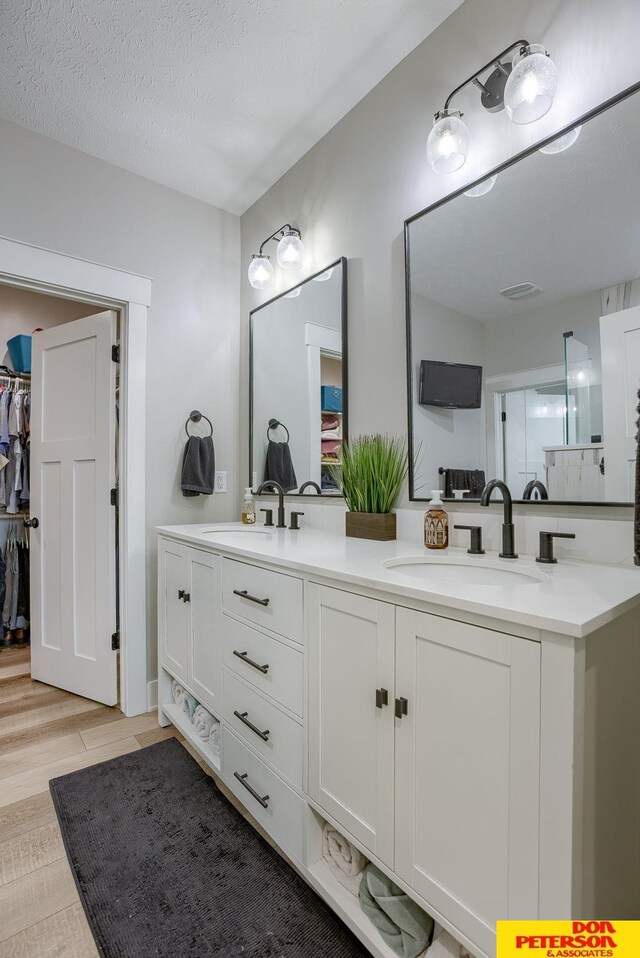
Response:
column 562, row 142
column 289, row 252
column 526, row 87
column 323, row 277
column 482, row 188
column 293, row 292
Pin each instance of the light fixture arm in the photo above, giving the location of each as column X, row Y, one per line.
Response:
column 279, row 233
column 496, row 63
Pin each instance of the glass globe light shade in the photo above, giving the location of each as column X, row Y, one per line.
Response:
column 482, row 188
column 293, row 293
column 531, row 86
column 260, row 271
column 290, row 250
column 562, row 142
column 448, row 142
column 323, row 277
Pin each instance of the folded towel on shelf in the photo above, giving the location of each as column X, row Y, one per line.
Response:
column 330, row 434
column 330, row 446
column 202, row 721
column 198, row 466
column 404, row 926
column 344, row 859
column 636, row 518
column 329, row 422
column 215, row 737
column 189, row 706
column 177, row 692
column 278, row 465
column 444, row 945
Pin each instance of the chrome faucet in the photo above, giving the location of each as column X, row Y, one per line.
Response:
column 275, row 486
column 309, row 482
column 531, row 486
column 508, row 530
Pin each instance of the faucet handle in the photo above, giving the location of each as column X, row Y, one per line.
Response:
column 294, row 520
column 476, row 539
column 546, row 545
column 268, row 516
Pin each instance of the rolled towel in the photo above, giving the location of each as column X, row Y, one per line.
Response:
column 404, row 926
column 214, row 737
column 444, row 945
column 189, row 705
column 177, row 693
column 202, row 721
column 343, row 858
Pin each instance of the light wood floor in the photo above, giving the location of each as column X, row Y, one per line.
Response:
column 45, row 732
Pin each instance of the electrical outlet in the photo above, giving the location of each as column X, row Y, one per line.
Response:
column 221, row 482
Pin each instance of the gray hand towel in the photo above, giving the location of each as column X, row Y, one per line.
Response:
column 198, row 466
column 278, row 465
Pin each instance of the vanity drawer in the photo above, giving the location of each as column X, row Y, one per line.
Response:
column 283, row 748
column 256, row 786
column 269, row 665
column 271, row 599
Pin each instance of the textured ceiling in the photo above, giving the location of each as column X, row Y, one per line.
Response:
column 215, row 98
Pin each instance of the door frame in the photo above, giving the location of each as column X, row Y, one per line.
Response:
column 57, row 274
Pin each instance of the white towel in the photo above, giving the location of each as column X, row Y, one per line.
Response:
column 202, row 721
column 177, row 693
column 343, row 858
column 444, row 945
column 214, row 737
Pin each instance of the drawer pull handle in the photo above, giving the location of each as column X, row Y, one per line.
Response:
column 382, row 698
column 245, row 721
column 264, row 800
column 252, row 598
column 245, row 658
column 401, row 707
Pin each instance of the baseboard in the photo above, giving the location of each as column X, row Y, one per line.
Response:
column 152, row 695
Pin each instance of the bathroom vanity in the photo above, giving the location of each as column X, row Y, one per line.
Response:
column 471, row 724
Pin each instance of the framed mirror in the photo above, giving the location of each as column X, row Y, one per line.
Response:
column 298, row 389
column 523, row 322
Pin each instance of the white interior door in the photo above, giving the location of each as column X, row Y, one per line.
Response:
column 620, row 345
column 73, row 609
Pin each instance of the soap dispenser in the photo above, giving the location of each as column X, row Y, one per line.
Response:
column 436, row 523
column 248, row 514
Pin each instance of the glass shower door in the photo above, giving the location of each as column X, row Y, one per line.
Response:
column 577, row 365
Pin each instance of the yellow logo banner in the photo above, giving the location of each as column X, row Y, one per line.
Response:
column 568, row 939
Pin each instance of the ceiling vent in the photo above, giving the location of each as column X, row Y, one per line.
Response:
column 521, row 291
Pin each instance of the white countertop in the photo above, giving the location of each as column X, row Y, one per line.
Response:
column 573, row 598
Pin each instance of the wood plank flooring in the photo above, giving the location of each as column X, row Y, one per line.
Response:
column 45, row 732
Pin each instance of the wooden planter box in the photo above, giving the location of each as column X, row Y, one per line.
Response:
column 371, row 525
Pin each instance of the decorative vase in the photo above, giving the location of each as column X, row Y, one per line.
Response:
column 371, row 525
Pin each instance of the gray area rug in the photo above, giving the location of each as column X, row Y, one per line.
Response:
column 166, row 866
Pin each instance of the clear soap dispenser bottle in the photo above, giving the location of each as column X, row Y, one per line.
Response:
column 248, row 514
column 436, row 523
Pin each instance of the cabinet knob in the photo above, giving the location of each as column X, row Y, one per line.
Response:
column 402, row 705
column 382, row 698
column 181, row 593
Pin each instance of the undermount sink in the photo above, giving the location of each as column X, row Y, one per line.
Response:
column 451, row 572
column 235, row 531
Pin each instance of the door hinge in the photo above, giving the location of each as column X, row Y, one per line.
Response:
column 504, row 417
column 115, row 641
column 113, row 496
column 115, row 353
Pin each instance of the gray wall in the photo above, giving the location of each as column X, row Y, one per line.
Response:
column 351, row 193
column 61, row 199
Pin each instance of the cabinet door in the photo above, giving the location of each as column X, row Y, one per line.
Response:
column 467, row 771
column 351, row 654
column 205, row 661
column 173, row 611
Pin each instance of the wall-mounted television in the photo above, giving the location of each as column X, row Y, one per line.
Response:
column 450, row 385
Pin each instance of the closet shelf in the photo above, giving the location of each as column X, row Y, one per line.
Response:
column 329, row 412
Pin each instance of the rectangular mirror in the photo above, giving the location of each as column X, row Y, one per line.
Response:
column 298, row 399
column 523, row 323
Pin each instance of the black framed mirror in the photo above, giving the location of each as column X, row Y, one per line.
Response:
column 298, row 383
column 523, row 321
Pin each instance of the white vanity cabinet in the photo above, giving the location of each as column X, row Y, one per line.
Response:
column 351, row 738
column 467, row 771
column 189, row 618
